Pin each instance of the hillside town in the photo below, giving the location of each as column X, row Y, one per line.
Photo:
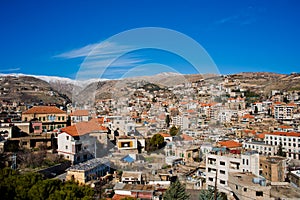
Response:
column 212, row 136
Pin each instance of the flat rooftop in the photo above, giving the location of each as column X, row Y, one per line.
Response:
column 88, row 165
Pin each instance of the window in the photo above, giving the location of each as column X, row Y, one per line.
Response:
column 67, row 137
column 222, row 182
column 44, row 118
column 247, row 162
column 63, row 118
column 259, row 194
column 245, row 189
column 36, row 128
column 211, row 179
column 58, row 118
column 236, row 187
column 222, row 163
column 66, row 146
column 222, row 172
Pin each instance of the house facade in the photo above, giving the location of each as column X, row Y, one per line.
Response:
column 51, row 117
column 82, row 141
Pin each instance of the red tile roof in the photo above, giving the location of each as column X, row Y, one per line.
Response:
column 80, row 113
column 230, row 144
column 186, row 137
column 261, row 135
column 165, row 134
column 83, row 128
column 284, row 126
column 44, row 110
column 294, row 134
column 248, row 116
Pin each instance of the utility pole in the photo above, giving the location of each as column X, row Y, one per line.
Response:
column 216, row 190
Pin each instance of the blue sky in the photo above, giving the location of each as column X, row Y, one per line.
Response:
column 38, row 37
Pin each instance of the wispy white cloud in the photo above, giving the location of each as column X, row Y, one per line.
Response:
column 99, row 56
column 227, row 19
column 10, row 69
column 77, row 53
column 97, row 50
column 246, row 16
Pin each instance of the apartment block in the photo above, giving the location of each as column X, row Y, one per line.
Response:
column 222, row 161
column 290, row 142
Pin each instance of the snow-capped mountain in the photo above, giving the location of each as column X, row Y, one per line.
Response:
column 57, row 79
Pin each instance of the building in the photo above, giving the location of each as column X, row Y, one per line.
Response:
column 231, row 145
column 129, row 143
column 246, row 186
column 290, row 142
column 82, row 141
column 221, row 161
column 284, row 112
column 261, row 148
column 294, row 177
column 123, row 190
column 132, row 177
column 273, row 168
column 50, row 116
column 79, row 116
column 87, row 171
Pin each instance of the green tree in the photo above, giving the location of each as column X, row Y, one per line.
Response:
column 44, row 189
column 174, row 130
column 176, row 191
column 210, row 195
column 157, row 140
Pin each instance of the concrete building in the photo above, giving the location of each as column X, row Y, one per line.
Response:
column 139, row 191
column 261, row 148
column 82, row 141
column 128, row 143
column 221, row 161
column 79, row 116
column 294, row 177
column 284, row 112
column 90, row 170
column 246, row 186
column 132, row 177
column 290, row 142
column 273, row 168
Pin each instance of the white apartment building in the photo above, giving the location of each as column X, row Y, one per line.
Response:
column 283, row 112
column 290, row 142
column 180, row 121
column 82, row 141
column 79, row 116
column 225, row 116
column 124, row 126
column 261, row 148
column 221, row 162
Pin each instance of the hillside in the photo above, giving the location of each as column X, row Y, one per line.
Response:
column 29, row 89
column 265, row 82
